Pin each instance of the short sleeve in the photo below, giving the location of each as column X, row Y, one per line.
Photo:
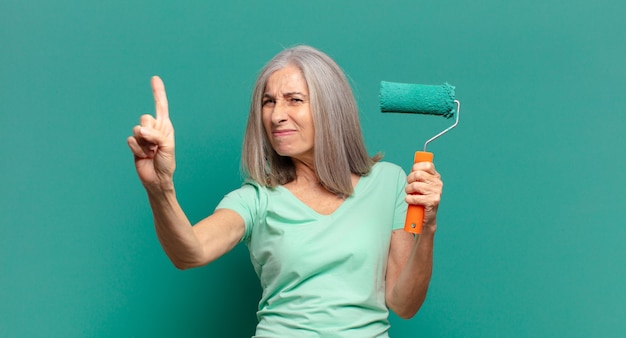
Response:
column 246, row 202
column 401, row 205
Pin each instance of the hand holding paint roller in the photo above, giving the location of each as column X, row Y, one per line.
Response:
column 419, row 99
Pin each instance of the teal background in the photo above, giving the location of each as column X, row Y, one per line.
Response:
column 531, row 226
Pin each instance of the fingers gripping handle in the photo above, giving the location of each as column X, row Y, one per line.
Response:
column 415, row 213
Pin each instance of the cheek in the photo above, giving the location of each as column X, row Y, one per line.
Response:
column 265, row 119
column 304, row 118
column 310, row 125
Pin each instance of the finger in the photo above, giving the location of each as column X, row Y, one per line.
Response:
column 416, row 176
column 424, row 166
column 147, row 131
column 416, row 188
column 136, row 149
column 424, row 187
column 425, row 197
column 147, row 121
column 422, row 176
column 148, row 137
column 160, row 98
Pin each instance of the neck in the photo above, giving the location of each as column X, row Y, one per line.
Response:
column 305, row 172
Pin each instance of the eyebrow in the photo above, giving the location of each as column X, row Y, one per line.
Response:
column 268, row 95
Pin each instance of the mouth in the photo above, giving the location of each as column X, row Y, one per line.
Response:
column 283, row 132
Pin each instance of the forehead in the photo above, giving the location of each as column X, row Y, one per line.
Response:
column 286, row 80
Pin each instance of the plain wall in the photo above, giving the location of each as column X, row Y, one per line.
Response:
column 531, row 226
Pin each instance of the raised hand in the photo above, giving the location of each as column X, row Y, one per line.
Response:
column 152, row 143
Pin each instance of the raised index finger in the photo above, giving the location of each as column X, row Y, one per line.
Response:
column 160, row 98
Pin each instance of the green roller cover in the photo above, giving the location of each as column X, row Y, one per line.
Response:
column 417, row 98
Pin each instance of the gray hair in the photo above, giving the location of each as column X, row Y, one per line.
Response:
column 339, row 149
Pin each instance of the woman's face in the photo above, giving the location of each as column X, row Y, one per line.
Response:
column 287, row 116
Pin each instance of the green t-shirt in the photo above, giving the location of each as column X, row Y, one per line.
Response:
column 322, row 275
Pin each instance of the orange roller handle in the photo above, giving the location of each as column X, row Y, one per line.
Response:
column 415, row 213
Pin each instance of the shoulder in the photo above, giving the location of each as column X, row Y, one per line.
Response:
column 386, row 169
column 385, row 175
column 250, row 196
column 248, row 188
column 250, row 201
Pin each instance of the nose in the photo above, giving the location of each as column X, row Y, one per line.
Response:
column 279, row 112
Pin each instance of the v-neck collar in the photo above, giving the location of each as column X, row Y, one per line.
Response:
column 345, row 204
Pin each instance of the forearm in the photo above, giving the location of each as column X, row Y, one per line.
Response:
column 409, row 291
column 174, row 230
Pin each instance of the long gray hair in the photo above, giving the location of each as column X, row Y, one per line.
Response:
column 339, row 149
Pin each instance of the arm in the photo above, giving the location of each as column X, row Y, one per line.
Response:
column 410, row 262
column 190, row 246
column 187, row 246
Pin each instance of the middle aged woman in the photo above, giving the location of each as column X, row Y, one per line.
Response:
column 321, row 218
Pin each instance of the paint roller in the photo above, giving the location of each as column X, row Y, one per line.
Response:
column 419, row 99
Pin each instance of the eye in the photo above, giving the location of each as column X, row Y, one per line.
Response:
column 295, row 101
column 268, row 102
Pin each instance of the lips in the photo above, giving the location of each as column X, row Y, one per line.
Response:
column 283, row 132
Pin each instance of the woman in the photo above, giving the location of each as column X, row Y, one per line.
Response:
column 322, row 220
